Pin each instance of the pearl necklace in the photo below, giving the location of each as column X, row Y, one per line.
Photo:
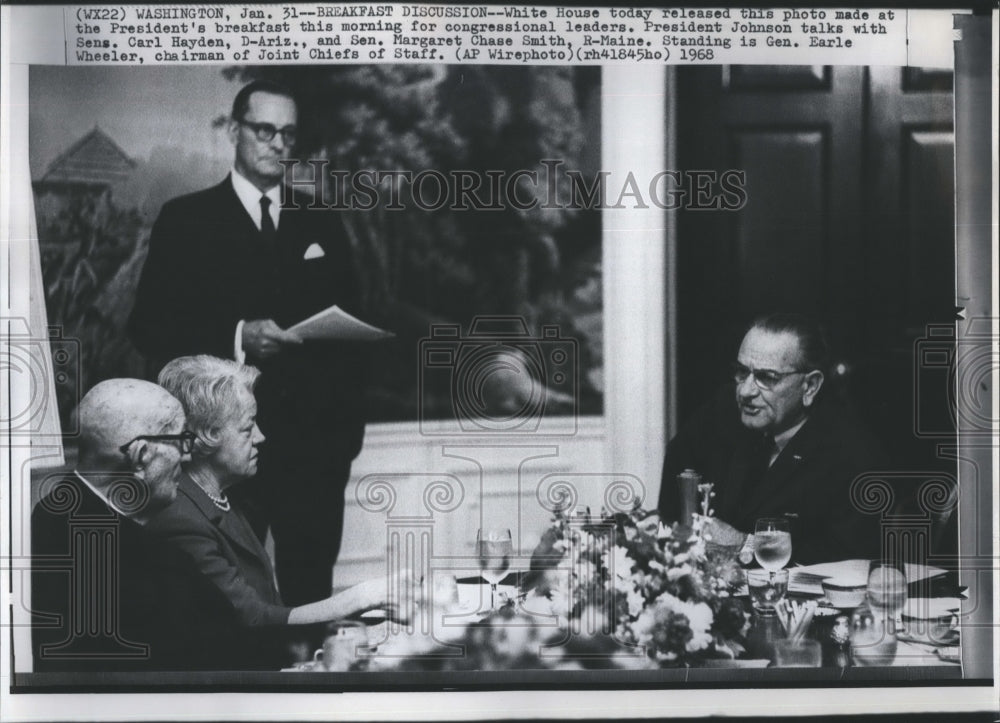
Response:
column 221, row 502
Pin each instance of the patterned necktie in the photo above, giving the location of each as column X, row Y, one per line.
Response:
column 267, row 230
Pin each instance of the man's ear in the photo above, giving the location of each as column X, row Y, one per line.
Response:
column 139, row 455
column 232, row 130
column 813, row 383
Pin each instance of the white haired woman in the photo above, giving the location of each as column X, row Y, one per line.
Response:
column 218, row 401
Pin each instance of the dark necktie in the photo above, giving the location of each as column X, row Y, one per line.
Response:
column 267, row 230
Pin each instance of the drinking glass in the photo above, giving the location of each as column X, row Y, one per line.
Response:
column 494, row 548
column 804, row 653
column 872, row 642
column 767, row 590
column 873, row 625
column 886, row 589
column 772, row 543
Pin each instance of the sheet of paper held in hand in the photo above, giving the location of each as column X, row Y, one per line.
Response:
column 335, row 324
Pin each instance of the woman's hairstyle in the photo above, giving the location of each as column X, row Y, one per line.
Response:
column 207, row 387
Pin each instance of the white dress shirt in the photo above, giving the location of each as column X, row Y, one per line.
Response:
column 249, row 196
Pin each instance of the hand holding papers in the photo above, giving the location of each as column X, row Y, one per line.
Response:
column 263, row 338
column 335, row 324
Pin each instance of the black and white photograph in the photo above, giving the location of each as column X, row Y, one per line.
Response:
column 389, row 379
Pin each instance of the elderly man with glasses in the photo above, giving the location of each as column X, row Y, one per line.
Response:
column 230, row 269
column 774, row 446
column 107, row 594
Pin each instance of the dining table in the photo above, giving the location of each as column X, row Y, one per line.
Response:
column 386, row 656
column 924, row 644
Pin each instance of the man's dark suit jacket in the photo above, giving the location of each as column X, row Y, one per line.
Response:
column 810, row 480
column 207, row 269
column 225, row 549
column 169, row 616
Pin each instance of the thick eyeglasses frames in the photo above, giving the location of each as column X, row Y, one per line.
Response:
column 763, row 378
column 265, row 132
column 185, row 440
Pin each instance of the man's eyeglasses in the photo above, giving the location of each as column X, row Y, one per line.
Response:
column 185, row 440
column 265, row 132
column 763, row 378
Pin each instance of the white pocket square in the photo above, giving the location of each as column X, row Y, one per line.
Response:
column 315, row 251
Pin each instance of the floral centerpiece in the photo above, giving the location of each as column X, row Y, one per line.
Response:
column 619, row 590
column 664, row 589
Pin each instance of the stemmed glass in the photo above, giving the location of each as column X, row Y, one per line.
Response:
column 494, row 548
column 772, row 543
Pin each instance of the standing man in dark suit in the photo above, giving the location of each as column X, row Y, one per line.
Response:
column 773, row 446
column 229, row 270
column 110, row 595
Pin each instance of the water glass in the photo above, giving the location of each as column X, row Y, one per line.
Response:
column 767, row 589
column 886, row 592
column 494, row 549
column 797, row 653
column 873, row 642
column 873, row 625
column 772, row 543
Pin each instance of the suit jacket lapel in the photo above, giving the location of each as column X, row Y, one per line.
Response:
column 743, row 477
column 230, row 205
column 227, row 523
column 796, row 452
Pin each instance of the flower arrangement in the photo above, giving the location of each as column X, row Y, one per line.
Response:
column 619, row 590
column 663, row 589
